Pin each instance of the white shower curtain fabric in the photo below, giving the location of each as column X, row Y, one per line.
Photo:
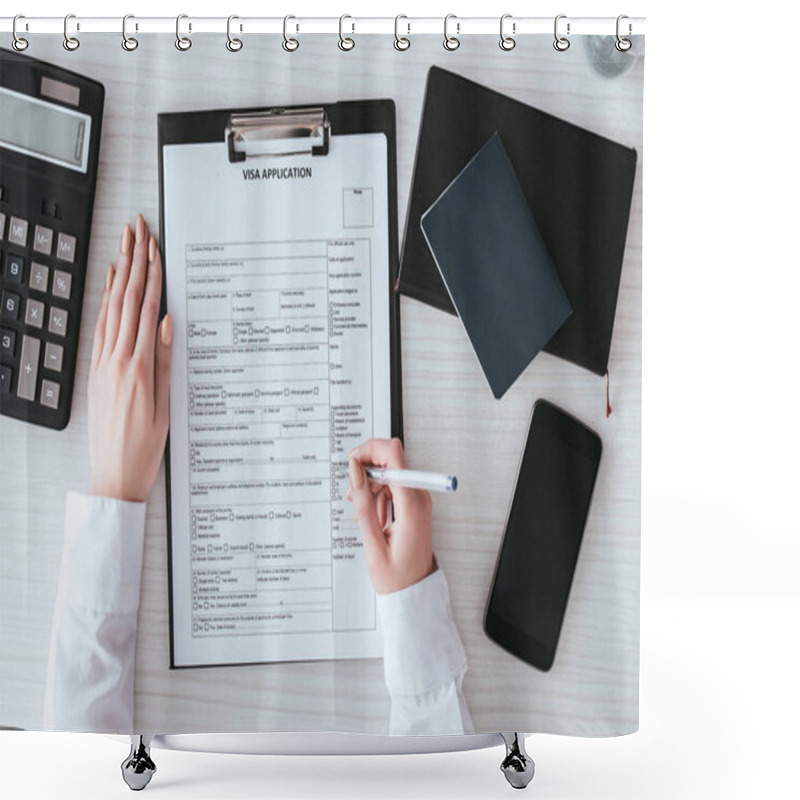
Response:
column 308, row 317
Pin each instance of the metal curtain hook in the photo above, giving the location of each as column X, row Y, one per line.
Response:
column 233, row 44
column 183, row 43
column 623, row 45
column 70, row 42
column 128, row 42
column 451, row 42
column 561, row 43
column 290, row 44
column 346, row 42
column 507, row 42
column 18, row 43
column 401, row 42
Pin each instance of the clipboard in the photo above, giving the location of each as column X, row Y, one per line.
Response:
column 261, row 136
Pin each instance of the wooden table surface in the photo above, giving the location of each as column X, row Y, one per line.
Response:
column 452, row 422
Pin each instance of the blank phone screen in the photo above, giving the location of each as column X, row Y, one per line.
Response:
column 543, row 535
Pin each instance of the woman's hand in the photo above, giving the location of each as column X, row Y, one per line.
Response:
column 129, row 373
column 401, row 553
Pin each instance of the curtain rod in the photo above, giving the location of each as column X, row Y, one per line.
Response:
column 347, row 25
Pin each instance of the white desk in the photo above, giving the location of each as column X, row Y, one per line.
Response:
column 452, row 422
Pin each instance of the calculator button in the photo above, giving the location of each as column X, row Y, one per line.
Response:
column 34, row 313
column 2, row 224
column 50, row 209
column 14, row 266
column 58, row 321
column 6, row 374
column 7, row 340
column 39, row 276
column 28, row 368
column 18, row 231
column 62, row 284
column 50, row 392
column 10, row 305
column 53, row 356
column 66, row 247
column 43, row 240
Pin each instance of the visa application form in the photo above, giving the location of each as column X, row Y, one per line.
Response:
column 277, row 279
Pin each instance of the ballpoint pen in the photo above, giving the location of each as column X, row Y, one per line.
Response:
column 413, row 479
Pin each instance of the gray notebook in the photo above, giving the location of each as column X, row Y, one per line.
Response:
column 495, row 265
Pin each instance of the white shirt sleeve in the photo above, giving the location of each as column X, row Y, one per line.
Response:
column 90, row 671
column 93, row 642
column 424, row 660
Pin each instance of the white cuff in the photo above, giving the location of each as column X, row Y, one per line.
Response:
column 422, row 647
column 101, row 566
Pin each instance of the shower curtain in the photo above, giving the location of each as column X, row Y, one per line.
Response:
column 309, row 262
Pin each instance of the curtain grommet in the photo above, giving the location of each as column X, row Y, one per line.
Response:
column 71, row 43
column 233, row 44
column 183, row 43
column 129, row 43
column 346, row 43
column 451, row 43
column 561, row 43
column 290, row 44
column 19, row 43
column 401, row 43
column 622, row 44
column 507, row 43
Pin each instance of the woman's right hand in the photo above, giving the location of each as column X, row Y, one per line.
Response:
column 400, row 553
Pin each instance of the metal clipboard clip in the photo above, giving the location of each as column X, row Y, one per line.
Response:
column 278, row 132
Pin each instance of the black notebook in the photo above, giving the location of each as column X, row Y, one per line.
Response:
column 495, row 266
column 578, row 186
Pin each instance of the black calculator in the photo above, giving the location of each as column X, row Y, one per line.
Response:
column 50, row 122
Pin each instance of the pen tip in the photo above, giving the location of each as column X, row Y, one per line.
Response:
column 453, row 483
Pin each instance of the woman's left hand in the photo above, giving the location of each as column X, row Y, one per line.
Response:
column 129, row 373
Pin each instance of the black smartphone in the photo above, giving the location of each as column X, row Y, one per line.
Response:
column 543, row 535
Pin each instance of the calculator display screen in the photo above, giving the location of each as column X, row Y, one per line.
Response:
column 43, row 130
